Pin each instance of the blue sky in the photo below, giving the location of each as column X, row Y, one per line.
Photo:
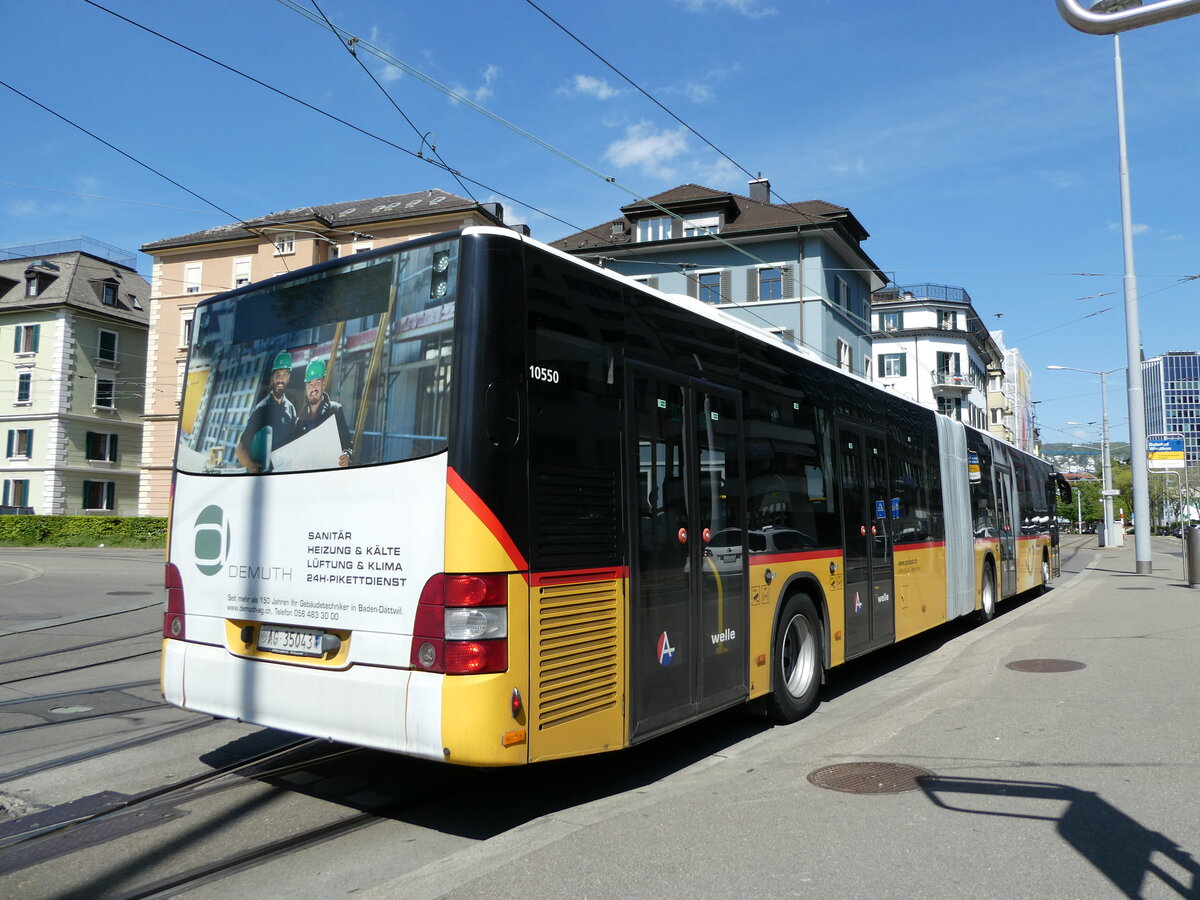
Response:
column 977, row 145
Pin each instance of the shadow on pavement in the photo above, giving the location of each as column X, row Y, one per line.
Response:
column 1121, row 849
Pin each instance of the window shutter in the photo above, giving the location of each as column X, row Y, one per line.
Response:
column 36, row 331
column 652, row 282
column 110, row 495
column 789, row 289
column 11, row 436
column 4, row 502
column 17, row 339
column 726, row 286
column 112, row 448
column 751, row 285
column 693, row 285
column 903, row 364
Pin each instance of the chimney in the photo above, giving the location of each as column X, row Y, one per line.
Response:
column 760, row 190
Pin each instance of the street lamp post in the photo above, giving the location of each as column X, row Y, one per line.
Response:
column 1105, row 452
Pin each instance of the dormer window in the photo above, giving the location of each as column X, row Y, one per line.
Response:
column 32, row 287
column 108, row 293
column 695, row 226
column 654, row 229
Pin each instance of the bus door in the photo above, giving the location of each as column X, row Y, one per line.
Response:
column 688, row 651
column 1006, row 525
column 866, row 525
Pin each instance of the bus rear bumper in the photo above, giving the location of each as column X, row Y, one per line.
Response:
column 389, row 709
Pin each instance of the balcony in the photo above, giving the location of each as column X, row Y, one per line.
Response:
column 950, row 383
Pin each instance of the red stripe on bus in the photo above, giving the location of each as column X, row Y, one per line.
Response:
column 923, row 545
column 578, row 576
column 486, row 516
column 776, row 559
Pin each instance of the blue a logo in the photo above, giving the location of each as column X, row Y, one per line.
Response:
column 211, row 535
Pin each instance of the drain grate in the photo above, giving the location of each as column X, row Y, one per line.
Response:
column 869, row 777
column 1045, row 665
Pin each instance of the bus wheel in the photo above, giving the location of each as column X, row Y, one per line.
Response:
column 987, row 594
column 797, row 663
column 1045, row 573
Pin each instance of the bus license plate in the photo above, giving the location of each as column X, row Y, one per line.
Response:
column 292, row 641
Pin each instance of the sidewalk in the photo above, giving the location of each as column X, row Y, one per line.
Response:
column 1077, row 783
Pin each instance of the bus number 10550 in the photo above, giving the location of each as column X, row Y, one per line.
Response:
column 541, row 373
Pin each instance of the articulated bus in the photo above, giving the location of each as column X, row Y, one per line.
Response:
column 471, row 499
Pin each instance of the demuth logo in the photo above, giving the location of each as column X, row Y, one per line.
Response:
column 211, row 536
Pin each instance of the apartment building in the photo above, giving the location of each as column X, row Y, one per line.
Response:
column 795, row 269
column 192, row 267
column 932, row 347
column 73, row 326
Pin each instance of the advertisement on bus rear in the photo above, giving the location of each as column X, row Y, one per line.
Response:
column 341, row 552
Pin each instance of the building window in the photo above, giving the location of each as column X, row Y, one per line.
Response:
column 698, row 225
column 108, row 293
column 26, row 339
column 187, row 330
column 891, row 321
column 843, row 356
column 770, row 284
column 892, row 365
column 950, row 406
column 105, row 393
column 654, row 229
column 107, row 349
column 947, row 319
column 101, row 447
column 948, row 364
column 31, row 285
column 16, row 492
column 24, row 387
column 191, row 278
column 843, row 292
column 866, row 367
column 997, row 416
column 285, row 243
column 241, row 271
column 709, row 285
column 363, row 248
column 20, row 443
column 99, row 495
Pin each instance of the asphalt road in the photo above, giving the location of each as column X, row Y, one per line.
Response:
column 1075, row 783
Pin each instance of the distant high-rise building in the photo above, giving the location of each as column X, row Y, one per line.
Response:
column 1171, row 394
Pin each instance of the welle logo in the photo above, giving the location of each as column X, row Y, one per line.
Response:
column 211, row 540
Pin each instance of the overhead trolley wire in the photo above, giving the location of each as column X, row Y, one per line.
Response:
column 415, row 154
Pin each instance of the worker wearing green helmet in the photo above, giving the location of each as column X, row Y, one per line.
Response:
column 318, row 407
column 272, row 421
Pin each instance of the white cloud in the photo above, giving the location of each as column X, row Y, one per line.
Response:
column 648, row 148
column 720, row 173
column 1137, row 229
column 751, row 9
column 590, row 87
column 386, row 72
column 484, row 92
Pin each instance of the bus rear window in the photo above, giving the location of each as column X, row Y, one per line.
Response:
column 344, row 367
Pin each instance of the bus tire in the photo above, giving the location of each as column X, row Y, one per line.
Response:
column 1046, row 576
column 987, row 594
column 797, row 661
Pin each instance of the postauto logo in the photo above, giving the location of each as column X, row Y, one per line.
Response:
column 211, row 536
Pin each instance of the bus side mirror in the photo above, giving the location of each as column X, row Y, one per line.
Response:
column 1064, row 489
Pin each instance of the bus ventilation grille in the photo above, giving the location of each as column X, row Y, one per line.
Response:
column 576, row 651
column 576, row 517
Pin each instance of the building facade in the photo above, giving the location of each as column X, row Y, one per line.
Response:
column 1171, row 393
column 932, row 347
column 193, row 267
column 795, row 269
column 73, row 327
column 1011, row 407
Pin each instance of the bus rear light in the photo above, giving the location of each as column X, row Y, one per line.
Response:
column 476, row 657
column 461, row 625
column 173, row 616
column 487, row 623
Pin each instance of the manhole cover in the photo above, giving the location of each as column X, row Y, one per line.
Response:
column 70, row 710
column 129, row 593
column 869, row 777
column 1045, row 665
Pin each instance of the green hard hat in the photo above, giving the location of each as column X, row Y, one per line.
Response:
column 316, row 369
column 283, row 360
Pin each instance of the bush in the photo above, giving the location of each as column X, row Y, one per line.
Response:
column 83, row 531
